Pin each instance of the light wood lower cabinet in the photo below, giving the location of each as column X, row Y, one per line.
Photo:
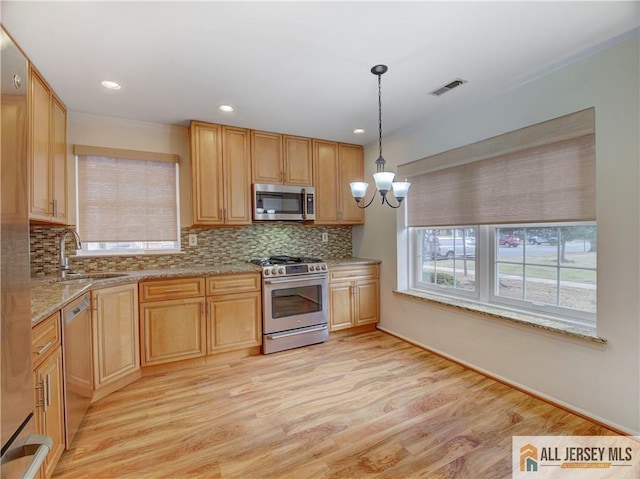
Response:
column 354, row 296
column 234, row 307
column 116, row 340
column 49, row 388
column 172, row 330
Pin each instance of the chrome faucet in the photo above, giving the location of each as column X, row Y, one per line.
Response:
column 63, row 267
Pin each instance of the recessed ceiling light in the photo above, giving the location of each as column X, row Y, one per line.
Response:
column 359, row 131
column 111, row 85
column 225, row 108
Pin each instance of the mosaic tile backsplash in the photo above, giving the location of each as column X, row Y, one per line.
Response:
column 215, row 245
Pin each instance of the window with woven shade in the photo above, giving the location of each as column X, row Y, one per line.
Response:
column 510, row 221
column 127, row 200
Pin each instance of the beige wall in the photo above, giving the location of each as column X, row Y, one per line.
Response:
column 86, row 129
column 602, row 382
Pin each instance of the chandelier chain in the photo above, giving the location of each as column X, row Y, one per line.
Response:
column 380, row 114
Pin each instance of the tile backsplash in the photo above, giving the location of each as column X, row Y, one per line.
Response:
column 215, row 245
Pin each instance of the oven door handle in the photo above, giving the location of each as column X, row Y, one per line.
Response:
column 295, row 280
column 297, row 332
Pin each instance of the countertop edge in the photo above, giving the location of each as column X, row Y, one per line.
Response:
column 49, row 296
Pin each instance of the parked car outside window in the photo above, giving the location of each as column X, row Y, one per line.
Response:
column 509, row 241
column 443, row 247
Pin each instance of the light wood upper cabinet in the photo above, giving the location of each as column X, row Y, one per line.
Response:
column 298, row 161
column 335, row 166
column 281, row 159
column 266, row 157
column 220, row 174
column 351, row 168
column 59, row 159
column 49, row 388
column 47, row 153
column 116, row 341
column 236, row 155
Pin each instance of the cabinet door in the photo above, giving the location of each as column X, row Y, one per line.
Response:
column 340, row 306
column 206, row 173
column 236, row 150
column 40, row 174
column 172, row 330
column 367, row 301
column 50, row 407
column 59, row 160
column 116, row 343
column 298, row 161
column 351, row 169
column 266, row 157
column 325, row 168
column 234, row 321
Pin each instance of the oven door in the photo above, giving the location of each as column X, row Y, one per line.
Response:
column 294, row 302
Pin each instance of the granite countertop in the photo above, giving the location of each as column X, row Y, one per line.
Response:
column 49, row 295
column 349, row 261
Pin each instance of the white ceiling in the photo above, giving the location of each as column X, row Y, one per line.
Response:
column 300, row 67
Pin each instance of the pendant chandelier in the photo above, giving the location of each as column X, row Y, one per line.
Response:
column 383, row 179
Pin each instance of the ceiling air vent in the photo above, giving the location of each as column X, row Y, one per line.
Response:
column 449, row 86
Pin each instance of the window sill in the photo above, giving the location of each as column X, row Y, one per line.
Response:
column 102, row 254
column 539, row 322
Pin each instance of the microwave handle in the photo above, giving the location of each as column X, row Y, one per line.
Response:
column 304, row 204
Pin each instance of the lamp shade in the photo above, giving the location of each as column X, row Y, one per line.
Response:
column 400, row 189
column 358, row 189
column 383, row 180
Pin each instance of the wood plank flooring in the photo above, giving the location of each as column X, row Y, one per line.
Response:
column 366, row 406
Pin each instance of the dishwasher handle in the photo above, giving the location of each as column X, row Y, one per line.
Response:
column 82, row 306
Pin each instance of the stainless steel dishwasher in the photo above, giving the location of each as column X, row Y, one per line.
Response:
column 78, row 362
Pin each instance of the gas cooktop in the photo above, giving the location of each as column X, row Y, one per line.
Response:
column 284, row 265
column 284, row 259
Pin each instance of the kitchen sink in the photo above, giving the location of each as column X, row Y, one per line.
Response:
column 87, row 278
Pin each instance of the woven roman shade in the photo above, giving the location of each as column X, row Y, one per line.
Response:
column 542, row 173
column 126, row 200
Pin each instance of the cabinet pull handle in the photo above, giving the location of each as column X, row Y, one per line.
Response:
column 42, row 349
column 174, row 290
column 40, row 402
column 55, row 208
column 48, row 403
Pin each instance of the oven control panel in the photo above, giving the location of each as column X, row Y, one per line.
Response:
column 294, row 269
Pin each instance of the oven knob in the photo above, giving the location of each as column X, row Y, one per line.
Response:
column 312, row 267
column 267, row 271
column 323, row 267
column 280, row 270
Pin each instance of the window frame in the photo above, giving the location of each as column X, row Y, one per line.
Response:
column 85, row 252
column 486, row 275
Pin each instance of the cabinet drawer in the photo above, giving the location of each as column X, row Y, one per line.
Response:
column 45, row 337
column 346, row 273
column 233, row 283
column 171, row 289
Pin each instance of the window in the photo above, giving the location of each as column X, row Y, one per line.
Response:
column 511, row 225
column 541, row 269
column 446, row 259
column 127, row 201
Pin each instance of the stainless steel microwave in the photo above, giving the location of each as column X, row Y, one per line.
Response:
column 283, row 203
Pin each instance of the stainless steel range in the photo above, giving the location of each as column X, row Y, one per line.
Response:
column 294, row 302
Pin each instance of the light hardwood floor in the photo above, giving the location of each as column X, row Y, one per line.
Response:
column 361, row 406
